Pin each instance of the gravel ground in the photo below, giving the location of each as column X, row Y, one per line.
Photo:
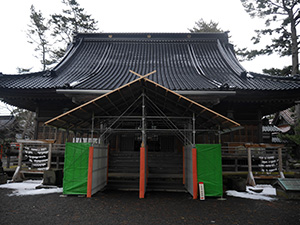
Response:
column 117, row 207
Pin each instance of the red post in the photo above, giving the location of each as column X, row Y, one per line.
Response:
column 90, row 172
column 195, row 179
column 142, row 172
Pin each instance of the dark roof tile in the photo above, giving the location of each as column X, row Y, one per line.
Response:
column 187, row 61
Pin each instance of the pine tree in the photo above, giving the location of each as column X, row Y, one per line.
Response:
column 205, row 27
column 72, row 20
column 37, row 35
column 285, row 15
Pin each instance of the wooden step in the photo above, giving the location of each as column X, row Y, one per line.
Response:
column 165, row 185
column 123, row 185
column 165, row 171
column 266, row 177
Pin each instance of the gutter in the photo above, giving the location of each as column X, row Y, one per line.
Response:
column 206, row 92
column 82, row 92
column 101, row 92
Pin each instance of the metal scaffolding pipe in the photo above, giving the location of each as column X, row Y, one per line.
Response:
column 143, row 122
column 194, row 130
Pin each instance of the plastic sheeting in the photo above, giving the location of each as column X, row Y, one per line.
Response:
column 209, row 168
column 99, row 173
column 76, row 168
column 188, row 168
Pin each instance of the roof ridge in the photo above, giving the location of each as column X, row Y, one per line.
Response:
column 273, row 77
column 26, row 74
column 152, row 35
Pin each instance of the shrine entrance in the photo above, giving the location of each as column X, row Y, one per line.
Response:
column 145, row 126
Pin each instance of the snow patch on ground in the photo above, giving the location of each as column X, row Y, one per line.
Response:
column 267, row 194
column 28, row 187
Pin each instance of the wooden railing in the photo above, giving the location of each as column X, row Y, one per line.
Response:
column 235, row 158
column 57, row 154
column 257, row 159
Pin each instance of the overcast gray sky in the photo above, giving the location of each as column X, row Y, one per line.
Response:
column 129, row 16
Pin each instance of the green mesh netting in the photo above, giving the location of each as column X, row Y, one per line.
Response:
column 209, row 168
column 76, row 168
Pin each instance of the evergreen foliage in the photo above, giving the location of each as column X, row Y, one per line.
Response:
column 52, row 36
column 37, row 35
column 287, row 70
column 206, row 27
column 285, row 15
column 72, row 20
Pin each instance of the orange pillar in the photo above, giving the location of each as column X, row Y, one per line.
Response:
column 195, row 179
column 142, row 172
column 90, row 173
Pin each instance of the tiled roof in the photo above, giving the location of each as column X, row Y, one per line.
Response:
column 287, row 116
column 186, row 61
column 270, row 129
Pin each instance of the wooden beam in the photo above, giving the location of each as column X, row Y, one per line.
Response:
column 197, row 104
column 100, row 97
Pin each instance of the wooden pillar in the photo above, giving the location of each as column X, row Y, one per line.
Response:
column 250, row 178
column 36, row 123
column 49, row 156
column 280, row 162
column 17, row 175
column 67, row 137
column 260, row 135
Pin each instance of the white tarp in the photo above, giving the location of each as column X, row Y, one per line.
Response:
column 188, row 156
column 99, row 178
